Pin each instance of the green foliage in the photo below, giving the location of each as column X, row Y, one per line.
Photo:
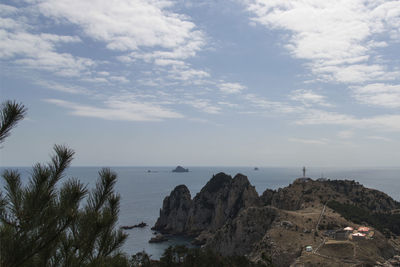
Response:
column 140, row 259
column 46, row 224
column 384, row 222
column 10, row 113
column 195, row 257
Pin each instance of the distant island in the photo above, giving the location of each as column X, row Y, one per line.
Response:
column 308, row 223
column 180, row 169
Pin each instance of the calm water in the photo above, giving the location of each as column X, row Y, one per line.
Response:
column 142, row 193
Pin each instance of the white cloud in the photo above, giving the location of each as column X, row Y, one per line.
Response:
column 7, row 10
column 72, row 89
column 379, row 138
column 379, row 94
column 117, row 109
column 39, row 50
column 204, row 105
column 380, row 122
column 337, row 37
column 120, row 79
column 271, row 106
column 231, row 88
column 187, row 74
column 129, row 25
column 309, row 141
column 228, row 104
column 309, row 98
column 345, row 134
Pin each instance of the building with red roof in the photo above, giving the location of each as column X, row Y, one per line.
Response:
column 363, row 229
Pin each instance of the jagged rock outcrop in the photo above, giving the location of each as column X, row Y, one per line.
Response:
column 175, row 211
column 239, row 236
column 220, row 200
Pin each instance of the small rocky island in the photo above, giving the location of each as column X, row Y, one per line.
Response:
column 308, row 223
column 180, row 169
column 139, row 225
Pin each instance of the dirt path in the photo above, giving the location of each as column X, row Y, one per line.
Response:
column 320, row 215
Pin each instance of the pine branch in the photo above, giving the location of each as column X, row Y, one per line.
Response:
column 10, row 113
column 13, row 192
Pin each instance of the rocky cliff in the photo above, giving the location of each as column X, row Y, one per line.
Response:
column 175, row 211
column 220, row 200
column 247, row 229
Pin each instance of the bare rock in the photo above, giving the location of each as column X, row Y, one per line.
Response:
column 219, row 201
column 175, row 210
column 158, row 239
column 239, row 236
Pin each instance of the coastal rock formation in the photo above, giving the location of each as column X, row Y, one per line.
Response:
column 175, row 211
column 220, row 200
column 240, row 236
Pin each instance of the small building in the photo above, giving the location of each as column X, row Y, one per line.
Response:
column 348, row 228
column 341, row 235
column 363, row 229
column 358, row 236
column 309, row 248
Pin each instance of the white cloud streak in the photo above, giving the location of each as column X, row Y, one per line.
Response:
column 231, row 88
column 378, row 94
column 380, row 122
column 345, row 134
column 309, row 98
column 309, row 141
column 117, row 109
column 129, row 25
column 203, row 105
column 336, row 37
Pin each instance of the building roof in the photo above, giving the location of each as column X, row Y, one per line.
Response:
column 348, row 228
column 358, row 234
column 363, row 229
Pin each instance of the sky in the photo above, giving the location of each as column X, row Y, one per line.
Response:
column 201, row 83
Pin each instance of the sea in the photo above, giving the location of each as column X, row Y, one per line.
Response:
column 142, row 190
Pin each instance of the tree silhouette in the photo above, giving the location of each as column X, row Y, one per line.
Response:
column 10, row 113
column 45, row 223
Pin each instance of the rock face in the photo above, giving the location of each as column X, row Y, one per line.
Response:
column 220, row 200
column 180, row 169
column 175, row 211
column 248, row 228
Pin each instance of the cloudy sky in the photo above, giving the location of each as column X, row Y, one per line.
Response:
column 234, row 82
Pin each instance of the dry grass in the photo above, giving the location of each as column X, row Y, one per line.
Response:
column 338, row 249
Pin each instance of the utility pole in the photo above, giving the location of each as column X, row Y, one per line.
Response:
column 304, row 171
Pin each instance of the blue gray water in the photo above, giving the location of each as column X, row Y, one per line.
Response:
column 142, row 192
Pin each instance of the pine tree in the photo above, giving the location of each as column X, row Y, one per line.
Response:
column 10, row 113
column 45, row 223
